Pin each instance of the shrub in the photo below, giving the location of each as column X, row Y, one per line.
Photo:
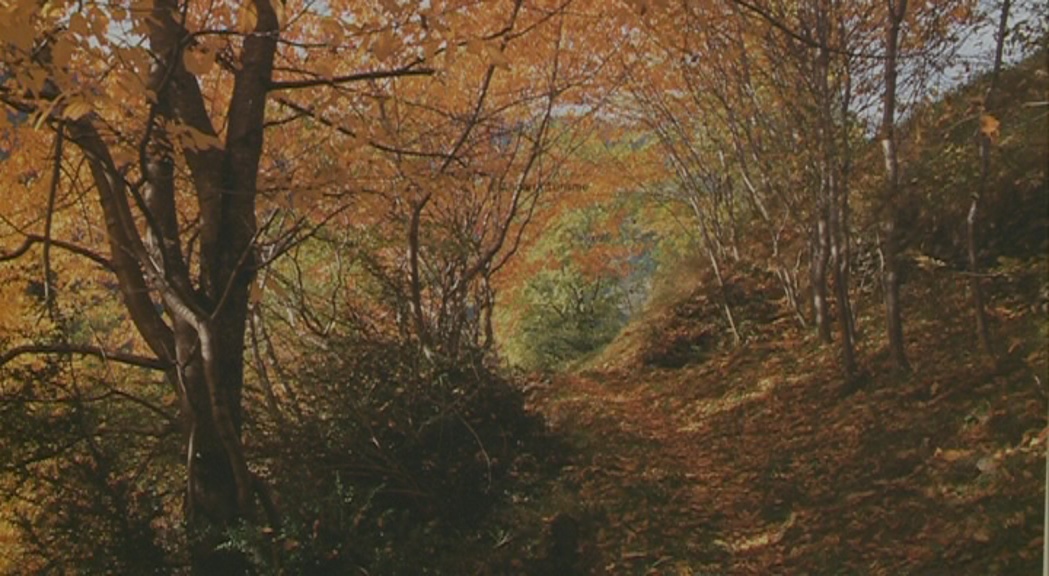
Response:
column 395, row 456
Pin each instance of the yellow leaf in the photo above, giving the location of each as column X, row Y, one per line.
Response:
column 450, row 54
column 78, row 24
column 61, row 53
column 385, row 45
column 76, row 109
column 961, row 13
column 952, row 455
column 198, row 62
column 277, row 290
column 989, row 127
column 324, row 67
column 247, row 17
column 255, row 293
column 99, row 23
column 430, row 47
column 21, row 37
column 332, row 31
column 497, row 58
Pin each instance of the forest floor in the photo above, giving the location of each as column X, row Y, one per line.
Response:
column 757, row 460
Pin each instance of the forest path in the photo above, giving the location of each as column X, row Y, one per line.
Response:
column 754, row 462
column 669, row 464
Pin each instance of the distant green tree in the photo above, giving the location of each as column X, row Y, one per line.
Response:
column 568, row 315
column 589, row 273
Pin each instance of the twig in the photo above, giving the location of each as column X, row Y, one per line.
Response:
column 409, row 70
column 56, row 173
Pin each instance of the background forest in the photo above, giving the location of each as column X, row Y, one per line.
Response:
column 523, row 287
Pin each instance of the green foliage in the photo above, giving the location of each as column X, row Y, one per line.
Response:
column 567, row 316
column 590, row 273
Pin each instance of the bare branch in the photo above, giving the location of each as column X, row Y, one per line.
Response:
column 126, row 249
column 84, row 350
column 31, row 239
column 56, row 175
column 405, row 71
column 303, row 111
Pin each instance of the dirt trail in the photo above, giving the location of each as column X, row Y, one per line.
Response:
column 756, row 464
column 661, row 454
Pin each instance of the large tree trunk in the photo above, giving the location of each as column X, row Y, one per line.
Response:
column 202, row 338
column 212, row 504
column 206, row 362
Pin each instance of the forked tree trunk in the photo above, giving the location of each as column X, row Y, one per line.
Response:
column 202, row 339
column 833, row 180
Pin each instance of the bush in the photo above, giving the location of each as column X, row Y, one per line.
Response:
column 83, row 495
column 395, row 459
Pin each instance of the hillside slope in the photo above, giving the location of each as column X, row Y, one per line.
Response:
column 755, row 461
column 694, row 456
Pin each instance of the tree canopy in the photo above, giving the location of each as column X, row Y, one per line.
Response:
column 229, row 229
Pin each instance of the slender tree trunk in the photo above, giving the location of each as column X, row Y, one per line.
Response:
column 891, row 287
column 818, row 277
column 487, row 306
column 984, row 142
column 713, row 249
column 841, row 157
column 723, row 291
column 833, row 181
column 839, row 257
column 844, row 226
column 828, row 194
column 897, row 9
column 983, row 330
column 789, row 282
